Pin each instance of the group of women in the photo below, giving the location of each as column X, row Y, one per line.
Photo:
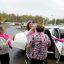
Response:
column 36, row 47
column 38, row 43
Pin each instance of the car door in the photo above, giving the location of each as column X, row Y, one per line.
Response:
column 49, row 33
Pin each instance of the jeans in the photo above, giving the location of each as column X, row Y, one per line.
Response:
column 4, row 58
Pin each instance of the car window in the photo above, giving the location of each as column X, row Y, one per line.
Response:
column 55, row 33
column 61, row 33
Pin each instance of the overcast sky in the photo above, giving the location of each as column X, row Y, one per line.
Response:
column 46, row 8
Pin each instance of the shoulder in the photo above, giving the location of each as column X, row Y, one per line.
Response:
column 26, row 32
column 6, row 36
column 46, row 36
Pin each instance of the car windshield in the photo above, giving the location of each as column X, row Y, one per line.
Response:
column 61, row 33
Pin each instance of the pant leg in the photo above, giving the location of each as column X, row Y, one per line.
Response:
column 40, row 61
column 34, row 61
column 5, row 59
column 45, row 61
column 26, row 60
column 0, row 59
column 5, row 62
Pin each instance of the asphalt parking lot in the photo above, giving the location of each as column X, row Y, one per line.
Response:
column 17, row 56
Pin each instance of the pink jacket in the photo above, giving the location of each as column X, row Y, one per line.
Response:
column 4, row 39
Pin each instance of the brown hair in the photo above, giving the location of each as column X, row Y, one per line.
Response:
column 40, row 27
column 1, row 30
column 27, row 27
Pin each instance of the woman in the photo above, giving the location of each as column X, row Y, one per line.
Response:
column 39, row 44
column 28, row 33
column 5, row 43
column 29, row 27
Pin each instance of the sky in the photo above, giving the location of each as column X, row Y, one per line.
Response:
column 45, row 8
